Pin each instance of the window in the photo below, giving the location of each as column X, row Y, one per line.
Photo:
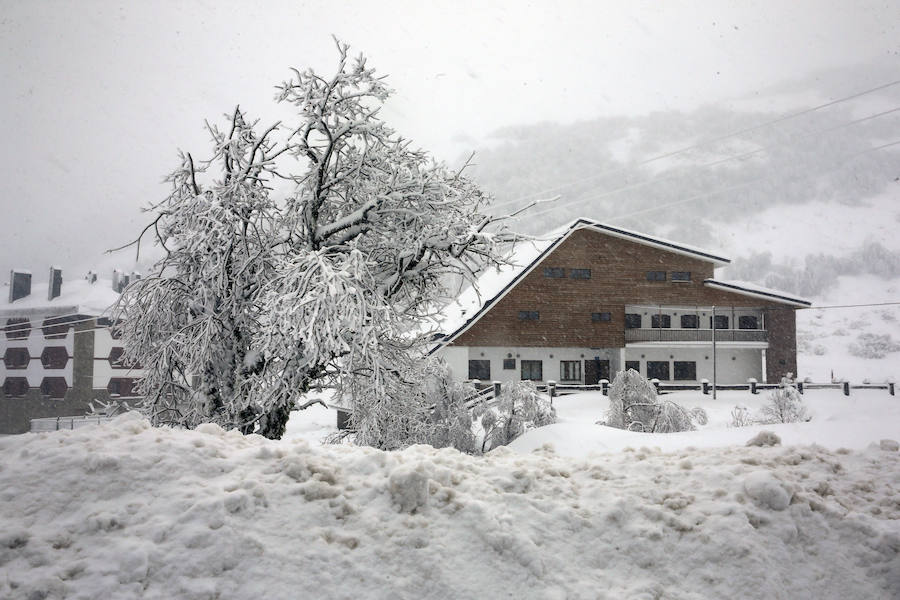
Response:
column 580, row 273
column 681, row 275
column 55, row 387
column 601, row 316
column 658, row 369
column 632, row 321
column 748, row 322
column 120, row 386
column 16, row 358
column 690, row 321
column 685, row 370
column 633, row 364
column 570, row 370
column 532, row 369
column 656, row 275
column 554, row 272
column 529, row 315
column 721, row 322
column 480, row 369
column 54, row 357
column 660, row 321
column 15, row 387
column 17, row 329
column 509, row 363
column 56, row 327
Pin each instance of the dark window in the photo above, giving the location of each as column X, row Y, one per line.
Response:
column 685, row 370
column 660, row 321
column 16, row 358
column 690, row 321
column 15, row 387
column 632, row 321
column 633, row 364
column 17, row 329
column 57, row 327
column 480, row 369
column 115, row 356
column 54, row 357
column 554, row 272
column 658, row 369
column 721, row 322
column 120, row 386
column 748, row 322
column 529, row 315
column 509, row 363
column 570, row 370
column 601, row 316
column 656, row 275
column 532, row 369
column 55, row 387
column 681, row 275
column 580, row 273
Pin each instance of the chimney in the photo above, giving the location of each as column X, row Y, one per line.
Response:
column 115, row 282
column 124, row 280
column 55, row 287
column 135, row 275
column 19, row 284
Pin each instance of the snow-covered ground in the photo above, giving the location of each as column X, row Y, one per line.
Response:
column 125, row 510
column 825, row 337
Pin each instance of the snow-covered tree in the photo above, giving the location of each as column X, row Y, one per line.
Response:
column 262, row 297
column 520, row 407
column 635, row 406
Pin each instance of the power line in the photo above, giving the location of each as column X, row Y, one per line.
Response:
column 714, row 192
column 657, row 180
column 701, row 144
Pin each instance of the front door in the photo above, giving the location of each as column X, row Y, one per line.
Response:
column 595, row 370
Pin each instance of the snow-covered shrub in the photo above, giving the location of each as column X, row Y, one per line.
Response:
column 740, row 416
column 634, row 405
column 519, row 408
column 785, row 406
column 871, row 345
column 432, row 410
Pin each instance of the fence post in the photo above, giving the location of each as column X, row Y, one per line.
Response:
column 604, row 387
column 891, row 388
column 800, row 386
column 846, row 388
column 496, row 389
column 655, row 383
column 752, row 383
column 551, row 390
column 705, row 384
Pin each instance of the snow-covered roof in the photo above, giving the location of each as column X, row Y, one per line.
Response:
column 494, row 284
column 756, row 291
column 77, row 297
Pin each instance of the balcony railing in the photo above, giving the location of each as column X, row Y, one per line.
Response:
column 695, row 335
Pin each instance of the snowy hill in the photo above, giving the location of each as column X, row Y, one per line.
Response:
column 125, row 511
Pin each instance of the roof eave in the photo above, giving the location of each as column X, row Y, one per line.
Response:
column 782, row 299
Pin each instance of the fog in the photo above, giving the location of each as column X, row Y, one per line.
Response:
column 99, row 96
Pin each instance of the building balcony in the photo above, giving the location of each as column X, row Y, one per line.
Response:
column 695, row 335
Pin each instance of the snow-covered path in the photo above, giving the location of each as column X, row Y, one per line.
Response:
column 125, row 510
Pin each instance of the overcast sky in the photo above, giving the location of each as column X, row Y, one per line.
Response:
column 97, row 96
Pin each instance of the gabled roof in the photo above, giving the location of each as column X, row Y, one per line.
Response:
column 755, row 291
column 495, row 284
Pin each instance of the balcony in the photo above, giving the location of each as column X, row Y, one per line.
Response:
column 695, row 335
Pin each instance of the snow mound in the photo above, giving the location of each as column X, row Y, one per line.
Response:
column 766, row 491
column 764, row 438
column 125, row 510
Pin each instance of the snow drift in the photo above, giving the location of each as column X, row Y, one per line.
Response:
column 126, row 510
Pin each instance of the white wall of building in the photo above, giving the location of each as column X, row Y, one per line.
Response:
column 735, row 364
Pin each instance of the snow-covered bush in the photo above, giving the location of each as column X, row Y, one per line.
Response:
column 740, row 416
column 871, row 345
column 634, row 405
column 519, row 408
column 785, row 406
